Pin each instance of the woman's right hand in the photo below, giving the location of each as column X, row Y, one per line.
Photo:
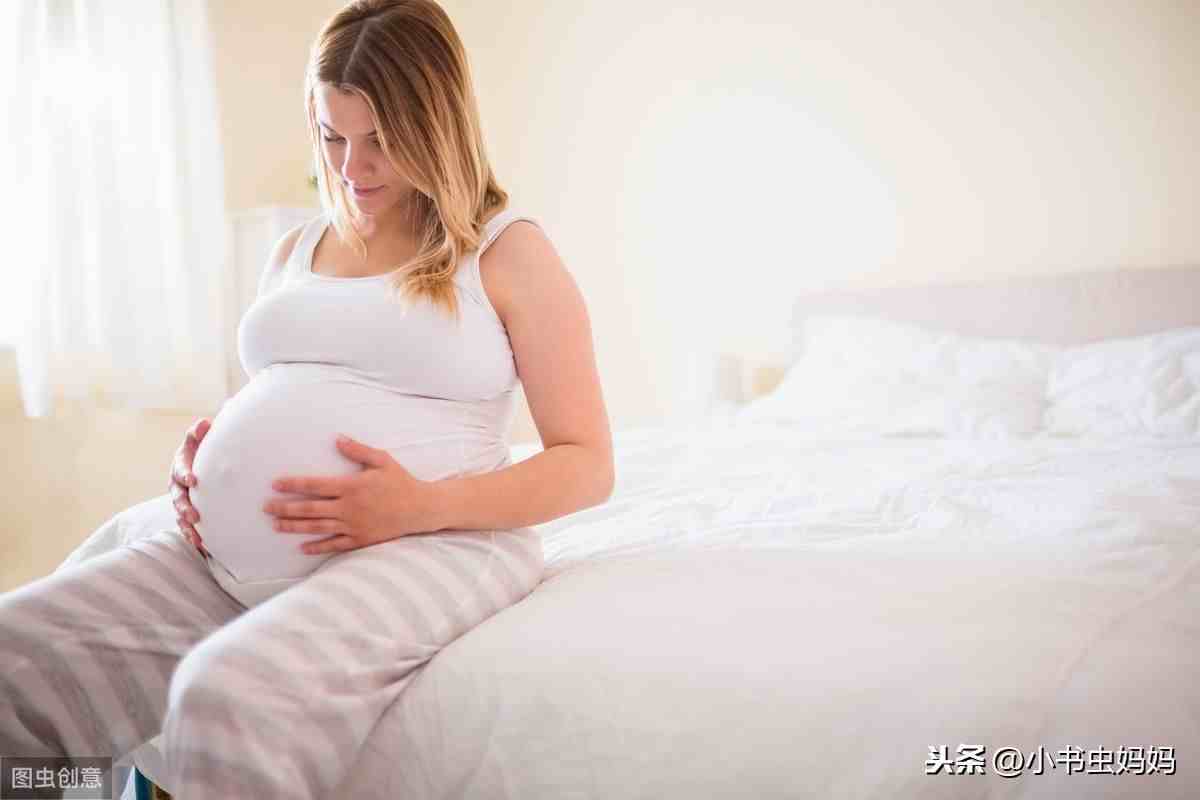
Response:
column 182, row 479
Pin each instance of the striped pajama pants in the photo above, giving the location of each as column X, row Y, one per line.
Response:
column 272, row 701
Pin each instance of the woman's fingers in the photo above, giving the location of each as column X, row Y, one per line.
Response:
column 185, row 454
column 199, row 428
column 181, row 466
column 188, row 454
column 190, row 534
column 178, row 469
column 184, row 509
column 195, row 540
column 195, row 435
column 182, row 478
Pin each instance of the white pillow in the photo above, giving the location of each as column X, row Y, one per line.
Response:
column 1145, row 385
column 865, row 375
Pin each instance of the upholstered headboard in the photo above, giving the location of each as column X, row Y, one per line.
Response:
column 1065, row 309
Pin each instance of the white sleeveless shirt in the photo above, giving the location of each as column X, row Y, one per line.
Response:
column 328, row 355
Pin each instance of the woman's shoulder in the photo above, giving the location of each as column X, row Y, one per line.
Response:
column 514, row 256
column 500, row 220
column 283, row 252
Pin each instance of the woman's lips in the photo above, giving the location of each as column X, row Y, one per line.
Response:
column 362, row 192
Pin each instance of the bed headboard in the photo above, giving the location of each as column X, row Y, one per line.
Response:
column 1066, row 309
column 1070, row 308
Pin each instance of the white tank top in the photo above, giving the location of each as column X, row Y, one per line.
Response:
column 328, row 355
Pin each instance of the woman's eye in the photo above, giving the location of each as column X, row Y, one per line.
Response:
column 338, row 139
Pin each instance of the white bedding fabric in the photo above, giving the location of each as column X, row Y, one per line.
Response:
column 863, row 375
column 762, row 613
column 1132, row 386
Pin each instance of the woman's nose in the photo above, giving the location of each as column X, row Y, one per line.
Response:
column 356, row 165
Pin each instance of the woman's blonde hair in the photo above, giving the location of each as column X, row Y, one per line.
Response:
column 404, row 58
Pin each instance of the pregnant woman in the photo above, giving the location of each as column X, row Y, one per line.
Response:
column 310, row 578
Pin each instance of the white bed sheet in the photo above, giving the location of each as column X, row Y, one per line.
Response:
column 760, row 613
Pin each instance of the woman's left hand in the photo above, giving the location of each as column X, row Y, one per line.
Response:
column 383, row 501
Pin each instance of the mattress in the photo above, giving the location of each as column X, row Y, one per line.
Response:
column 762, row 613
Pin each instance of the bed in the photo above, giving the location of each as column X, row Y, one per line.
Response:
column 978, row 577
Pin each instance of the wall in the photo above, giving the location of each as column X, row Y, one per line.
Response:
column 699, row 163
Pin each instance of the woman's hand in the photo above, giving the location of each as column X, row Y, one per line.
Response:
column 383, row 501
column 182, row 479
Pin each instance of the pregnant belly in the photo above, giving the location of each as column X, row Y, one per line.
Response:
column 283, row 423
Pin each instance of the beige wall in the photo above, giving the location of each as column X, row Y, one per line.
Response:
column 698, row 163
column 262, row 48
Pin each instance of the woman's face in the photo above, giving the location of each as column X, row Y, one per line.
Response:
column 353, row 151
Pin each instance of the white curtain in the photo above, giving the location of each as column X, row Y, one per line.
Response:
column 118, row 219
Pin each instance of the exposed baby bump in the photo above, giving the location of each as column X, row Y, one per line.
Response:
column 234, row 477
column 276, row 427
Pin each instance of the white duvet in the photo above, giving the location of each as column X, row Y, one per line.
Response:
column 762, row 614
